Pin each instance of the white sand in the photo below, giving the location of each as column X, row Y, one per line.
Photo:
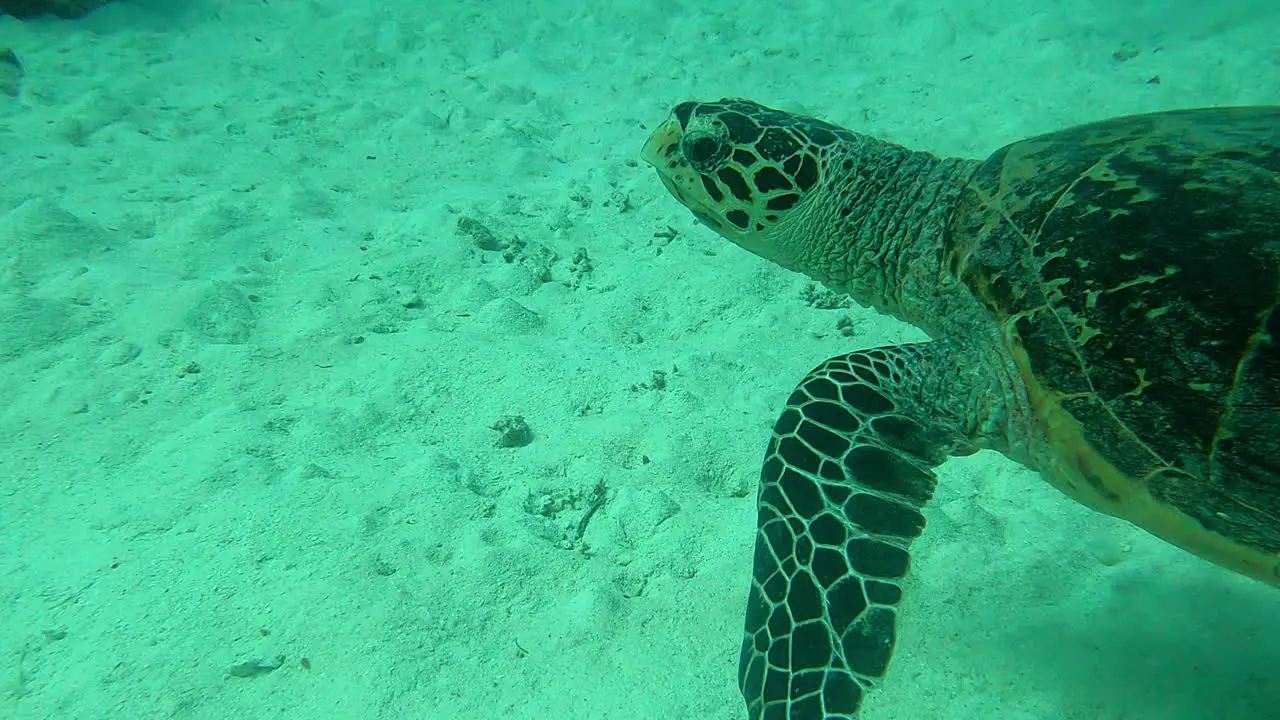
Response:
column 250, row 365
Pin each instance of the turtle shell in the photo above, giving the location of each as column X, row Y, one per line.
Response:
column 1134, row 268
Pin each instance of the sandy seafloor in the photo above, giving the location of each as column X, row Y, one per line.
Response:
column 250, row 364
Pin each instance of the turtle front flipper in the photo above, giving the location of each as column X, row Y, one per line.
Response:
column 847, row 472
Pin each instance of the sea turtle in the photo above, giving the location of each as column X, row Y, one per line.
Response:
column 1103, row 306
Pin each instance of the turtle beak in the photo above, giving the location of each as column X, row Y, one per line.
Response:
column 662, row 144
column 662, row 152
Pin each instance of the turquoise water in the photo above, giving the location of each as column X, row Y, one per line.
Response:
column 354, row 366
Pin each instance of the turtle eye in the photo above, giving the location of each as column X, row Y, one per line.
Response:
column 703, row 151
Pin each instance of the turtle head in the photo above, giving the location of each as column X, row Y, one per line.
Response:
column 740, row 167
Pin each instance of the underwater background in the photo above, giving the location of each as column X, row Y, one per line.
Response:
column 352, row 366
